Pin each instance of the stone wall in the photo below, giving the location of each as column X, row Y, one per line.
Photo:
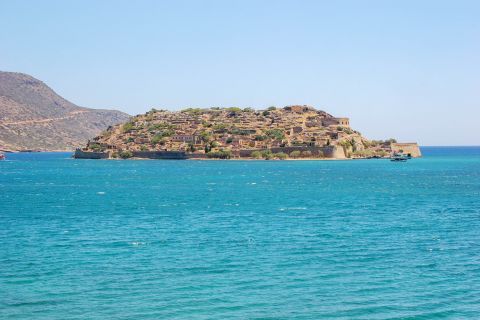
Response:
column 333, row 152
column 163, row 155
column 80, row 154
column 408, row 148
column 343, row 122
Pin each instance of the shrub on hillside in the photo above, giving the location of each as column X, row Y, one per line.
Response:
column 267, row 155
column 127, row 127
column 306, row 154
column 222, row 154
column 295, row 154
column 280, row 155
column 256, row 154
column 125, row 154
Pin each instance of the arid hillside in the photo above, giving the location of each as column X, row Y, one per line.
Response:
column 34, row 117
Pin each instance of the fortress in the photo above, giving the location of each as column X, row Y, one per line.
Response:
column 411, row 149
column 293, row 131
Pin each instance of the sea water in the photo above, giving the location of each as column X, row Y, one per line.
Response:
column 359, row 239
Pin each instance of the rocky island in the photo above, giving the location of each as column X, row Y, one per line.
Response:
column 293, row 132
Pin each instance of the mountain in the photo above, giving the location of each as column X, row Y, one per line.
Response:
column 293, row 131
column 34, row 117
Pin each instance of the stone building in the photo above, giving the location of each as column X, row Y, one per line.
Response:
column 411, row 149
column 343, row 122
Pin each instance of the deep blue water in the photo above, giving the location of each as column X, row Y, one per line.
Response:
column 362, row 239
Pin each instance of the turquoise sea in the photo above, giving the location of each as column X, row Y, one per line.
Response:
column 360, row 239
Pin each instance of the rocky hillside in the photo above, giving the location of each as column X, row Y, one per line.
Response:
column 227, row 132
column 34, row 117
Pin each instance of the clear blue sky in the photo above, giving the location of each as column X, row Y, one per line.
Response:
column 404, row 69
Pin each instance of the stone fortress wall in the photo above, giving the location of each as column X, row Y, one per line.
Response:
column 332, row 152
column 411, row 148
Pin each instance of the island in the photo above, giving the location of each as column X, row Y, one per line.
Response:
column 292, row 132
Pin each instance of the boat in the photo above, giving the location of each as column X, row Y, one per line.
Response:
column 2, row 156
column 399, row 157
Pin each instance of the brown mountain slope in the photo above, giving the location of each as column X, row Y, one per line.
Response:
column 34, row 117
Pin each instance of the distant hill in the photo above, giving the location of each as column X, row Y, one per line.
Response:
column 34, row 117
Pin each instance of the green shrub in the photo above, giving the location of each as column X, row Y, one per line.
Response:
column 295, row 154
column 95, row 147
column 127, row 127
column 125, row 154
column 276, row 134
column 222, row 154
column 256, row 154
column 220, row 127
column 160, row 126
column 260, row 138
column 306, row 154
column 205, row 136
column 267, row 154
column 193, row 111
column 158, row 138
column 280, row 155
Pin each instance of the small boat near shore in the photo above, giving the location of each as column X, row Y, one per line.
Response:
column 399, row 157
column 2, row 156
